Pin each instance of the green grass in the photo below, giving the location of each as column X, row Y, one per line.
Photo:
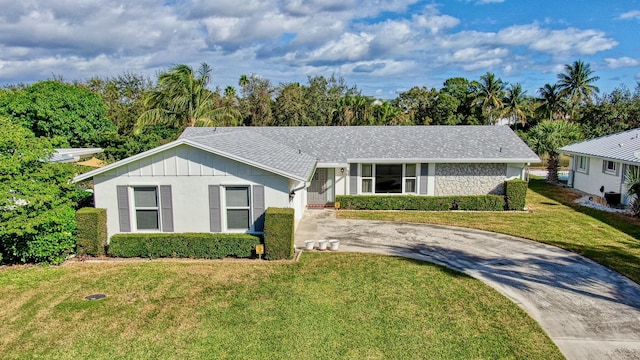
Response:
column 326, row 306
column 608, row 238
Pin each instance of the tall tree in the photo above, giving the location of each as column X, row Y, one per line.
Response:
column 515, row 105
column 576, row 84
column 548, row 136
column 290, row 109
column 123, row 97
column 256, row 102
column 54, row 109
column 551, row 105
column 181, row 99
column 37, row 199
column 489, row 96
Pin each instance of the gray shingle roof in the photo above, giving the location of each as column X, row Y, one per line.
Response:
column 253, row 148
column 622, row 146
column 341, row 145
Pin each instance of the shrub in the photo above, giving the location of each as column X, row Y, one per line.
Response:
column 183, row 245
column 481, row 203
column 421, row 203
column 49, row 241
column 515, row 194
column 278, row 233
column 91, row 231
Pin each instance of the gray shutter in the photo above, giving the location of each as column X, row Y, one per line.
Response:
column 124, row 218
column 353, row 179
column 215, row 216
column 424, row 172
column 258, row 208
column 166, row 208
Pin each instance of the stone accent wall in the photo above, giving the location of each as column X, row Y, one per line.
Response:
column 470, row 179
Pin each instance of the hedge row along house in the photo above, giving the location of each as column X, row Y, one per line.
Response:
column 222, row 179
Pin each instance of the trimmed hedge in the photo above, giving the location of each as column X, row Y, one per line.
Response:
column 480, row 203
column 278, row 233
column 421, row 203
column 91, row 231
column 183, row 245
column 515, row 193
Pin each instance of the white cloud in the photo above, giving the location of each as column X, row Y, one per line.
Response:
column 635, row 14
column 624, row 61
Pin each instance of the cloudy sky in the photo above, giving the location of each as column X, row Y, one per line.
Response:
column 381, row 46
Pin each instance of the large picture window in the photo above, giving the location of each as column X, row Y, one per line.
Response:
column 237, row 207
column 146, row 208
column 388, row 178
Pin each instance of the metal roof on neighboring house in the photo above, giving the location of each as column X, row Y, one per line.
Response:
column 72, row 154
column 342, row 144
column 624, row 146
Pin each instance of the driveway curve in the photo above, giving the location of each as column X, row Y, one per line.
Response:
column 588, row 310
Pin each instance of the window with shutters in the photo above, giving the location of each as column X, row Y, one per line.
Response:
column 238, row 207
column 146, row 207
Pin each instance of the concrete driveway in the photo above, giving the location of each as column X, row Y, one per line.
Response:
column 589, row 311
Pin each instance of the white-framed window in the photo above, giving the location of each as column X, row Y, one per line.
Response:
column 146, row 207
column 388, row 178
column 367, row 178
column 237, row 207
column 410, row 178
column 610, row 167
column 582, row 163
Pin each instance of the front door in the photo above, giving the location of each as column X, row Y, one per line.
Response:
column 317, row 192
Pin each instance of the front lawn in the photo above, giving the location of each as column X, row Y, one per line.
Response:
column 326, row 306
column 607, row 238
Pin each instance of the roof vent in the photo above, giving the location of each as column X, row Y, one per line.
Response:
column 636, row 154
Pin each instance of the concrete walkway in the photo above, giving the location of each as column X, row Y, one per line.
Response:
column 589, row 311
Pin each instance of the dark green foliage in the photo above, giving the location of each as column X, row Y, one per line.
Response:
column 481, row 203
column 421, row 203
column 278, row 233
column 91, row 231
column 37, row 200
column 51, row 108
column 183, row 245
column 515, row 193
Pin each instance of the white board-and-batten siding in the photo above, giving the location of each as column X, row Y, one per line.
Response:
column 189, row 172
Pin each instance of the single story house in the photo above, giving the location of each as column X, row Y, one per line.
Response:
column 602, row 163
column 222, row 179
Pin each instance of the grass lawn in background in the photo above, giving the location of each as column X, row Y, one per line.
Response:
column 610, row 239
column 326, row 306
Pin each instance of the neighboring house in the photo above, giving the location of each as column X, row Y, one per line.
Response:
column 222, row 179
column 73, row 154
column 603, row 163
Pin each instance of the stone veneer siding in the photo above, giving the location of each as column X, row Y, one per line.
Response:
column 469, row 179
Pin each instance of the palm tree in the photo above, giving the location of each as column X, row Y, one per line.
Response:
column 181, row 99
column 632, row 182
column 489, row 96
column 548, row 136
column 575, row 83
column 551, row 105
column 514, row 104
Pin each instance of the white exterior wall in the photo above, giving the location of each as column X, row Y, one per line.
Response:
column 189, row 171
column 591, row 180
